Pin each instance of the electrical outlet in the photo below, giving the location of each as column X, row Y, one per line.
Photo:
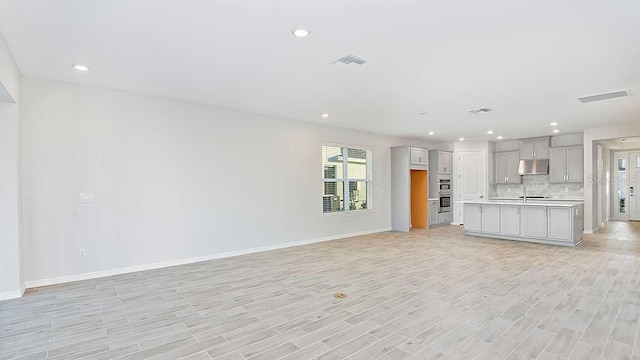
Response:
column 86, row 198
column 508, row 189
column 566, row 190
column 83, row 253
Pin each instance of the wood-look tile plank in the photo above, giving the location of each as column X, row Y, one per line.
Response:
column 426, row 294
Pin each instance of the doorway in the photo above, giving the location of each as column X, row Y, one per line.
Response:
column 634, row 185
column 419, row 199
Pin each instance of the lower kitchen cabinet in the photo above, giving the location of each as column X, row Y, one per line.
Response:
column 445, row 218
column 510, row 216
column 559, row 218
column 473, row 217
column 534, row 221
column 490, row 218
column 433, row 212
column 558, row 225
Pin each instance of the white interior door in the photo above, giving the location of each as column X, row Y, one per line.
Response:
column 471, row 179
column 634, row 186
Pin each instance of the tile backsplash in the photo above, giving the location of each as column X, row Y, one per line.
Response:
column 539, row 185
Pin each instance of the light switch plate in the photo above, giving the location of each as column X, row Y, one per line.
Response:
column 86, row 198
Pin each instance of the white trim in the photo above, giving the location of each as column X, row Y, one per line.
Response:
column 589, row 232
column 130, row 269
column 8, row 295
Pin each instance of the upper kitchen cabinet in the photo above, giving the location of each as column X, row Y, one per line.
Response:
column 507, row 167
column 566, row 164
column 445, row 162
column 419, row 156
column 534, row 148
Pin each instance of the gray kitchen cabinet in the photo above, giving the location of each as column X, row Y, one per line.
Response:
column 535, row 148
column 506, row 164
column 433, row 212
column 560, row 224
column 566, row 164
column 445, row 162
column 575, row 164
column 513, row 162
column 510, row 220
column 445, row 218
column 554, row 223
column 501, row 167
column 490, row 219
column 473, row 217
column 419, row 156
column 558, row 165
column 534, row 221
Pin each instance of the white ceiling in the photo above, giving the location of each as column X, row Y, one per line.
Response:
column 527, row 59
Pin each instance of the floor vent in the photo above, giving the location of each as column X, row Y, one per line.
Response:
column 605, row 96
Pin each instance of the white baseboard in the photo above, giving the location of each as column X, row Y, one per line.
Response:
column 589, row 232
column 8, row 295
column 130, row 269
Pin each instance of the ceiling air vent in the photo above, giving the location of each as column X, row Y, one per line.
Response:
column 480, row 111
column 605, row 96
column 349, row 61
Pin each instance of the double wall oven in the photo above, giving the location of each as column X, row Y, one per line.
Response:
column 444, row 193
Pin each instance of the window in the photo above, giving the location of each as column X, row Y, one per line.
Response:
column 346, row 179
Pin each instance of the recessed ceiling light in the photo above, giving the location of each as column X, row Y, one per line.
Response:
column 325, row 115
column 490, row 132
column 554, row 124
column 300, row 32
column 556, row 131
column 80, row 67
column 431, row 132
column 500, row 138
column 461, row 139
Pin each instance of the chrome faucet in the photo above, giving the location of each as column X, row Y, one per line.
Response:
column 524, row 198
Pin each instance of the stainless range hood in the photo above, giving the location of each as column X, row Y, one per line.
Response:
column 534, row 167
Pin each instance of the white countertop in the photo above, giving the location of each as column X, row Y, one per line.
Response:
column 531, row 202
column 434, row 199
column 545, row 199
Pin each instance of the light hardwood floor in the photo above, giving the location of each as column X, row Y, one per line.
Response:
column 430, row 294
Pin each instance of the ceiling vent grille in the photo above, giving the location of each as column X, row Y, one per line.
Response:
column 350, row 60
column 605, row 96
column 480, row 111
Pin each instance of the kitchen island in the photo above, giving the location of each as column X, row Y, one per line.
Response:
column 547, row 222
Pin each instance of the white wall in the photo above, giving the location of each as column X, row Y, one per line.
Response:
column 172, row 180
column 591, row 200
column 10, row 272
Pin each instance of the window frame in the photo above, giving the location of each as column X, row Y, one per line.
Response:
column 346, row 180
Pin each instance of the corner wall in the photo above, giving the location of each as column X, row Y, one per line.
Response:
column 10, row 242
